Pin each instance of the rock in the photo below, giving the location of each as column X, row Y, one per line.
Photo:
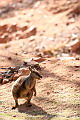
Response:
column 56, row 24
column 1, row 79
column 18, row 33
column 3, row 28
column 23, row 28
column 76, row 10
column 32, row 38
column 67, row 23
column 32, row 31
column 9, row 58
column 5, row 81
column 77, row 58
column 16, row 53
column 74, row 36
column 12, row 28
column 33, row 64
column 48, row 93
column 23, row 71
column 20, row 1
column 29, row 32
column 70, row 21
column 4, row 38
column 38, row 54
column 39, row 59
column 66, row 58
column 16, row 76
column 75, row 45
column 48, row 53
column 36, row 5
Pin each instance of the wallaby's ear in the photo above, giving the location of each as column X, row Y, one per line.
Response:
column 25, row 63
column 30, row 69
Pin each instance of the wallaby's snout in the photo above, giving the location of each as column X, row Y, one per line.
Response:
column 34, row 73
column 38, row 76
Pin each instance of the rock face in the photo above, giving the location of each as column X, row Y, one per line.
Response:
column 10, row 32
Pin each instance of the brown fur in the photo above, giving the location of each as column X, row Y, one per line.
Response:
column 24, row 87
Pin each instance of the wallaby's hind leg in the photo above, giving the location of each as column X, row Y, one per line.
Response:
column 30, row 94
column 16, row 104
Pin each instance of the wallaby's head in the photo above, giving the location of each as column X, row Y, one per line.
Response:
column 35, row 73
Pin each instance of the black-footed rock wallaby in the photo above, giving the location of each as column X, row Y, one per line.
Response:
column 24, row 87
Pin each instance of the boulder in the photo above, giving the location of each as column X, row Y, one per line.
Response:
column 15, row 76
column 23, row 71
column 75, row 45
column 4, row 38
column 3, row 28
column 12, row 28
column 23, row 28
column 29, row 32
column 5, row 81
column 39, row 59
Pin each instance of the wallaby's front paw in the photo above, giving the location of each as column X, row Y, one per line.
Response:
column 14, row 107
column 35, row 94
column 29, row 105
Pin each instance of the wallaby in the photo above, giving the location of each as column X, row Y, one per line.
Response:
column 24, row 87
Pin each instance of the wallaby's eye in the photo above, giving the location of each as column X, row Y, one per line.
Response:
column 38, row 74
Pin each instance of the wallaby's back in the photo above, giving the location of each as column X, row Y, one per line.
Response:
column 22, row 86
